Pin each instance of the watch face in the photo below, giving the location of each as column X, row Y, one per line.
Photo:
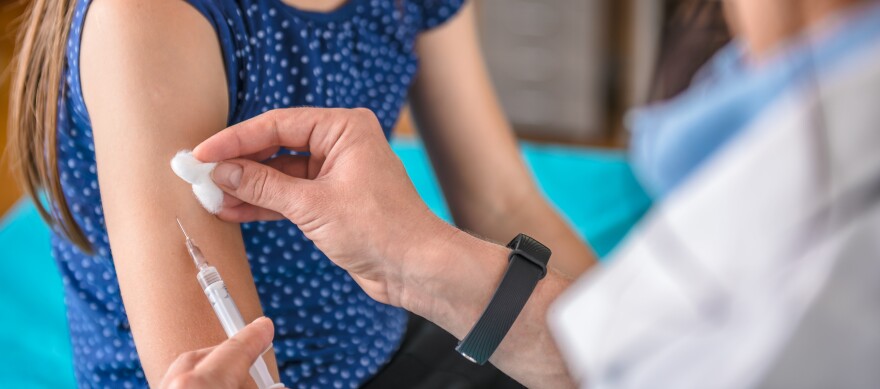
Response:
column 531, row 250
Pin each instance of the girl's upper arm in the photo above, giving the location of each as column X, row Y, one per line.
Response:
column 154, row 83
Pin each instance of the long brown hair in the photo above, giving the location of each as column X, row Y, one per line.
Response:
column 692, row 32
column 33, row 111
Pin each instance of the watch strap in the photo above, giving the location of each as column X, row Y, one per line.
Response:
column 527, row 265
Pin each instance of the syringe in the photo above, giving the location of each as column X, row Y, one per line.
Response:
column 225, row 308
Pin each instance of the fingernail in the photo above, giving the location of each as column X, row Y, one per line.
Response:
column 263, row 321
column 227, row 174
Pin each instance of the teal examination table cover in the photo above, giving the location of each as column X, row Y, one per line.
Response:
column 594, row 189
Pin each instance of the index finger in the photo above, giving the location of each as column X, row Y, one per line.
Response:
column 239, row 352
column 289, row 127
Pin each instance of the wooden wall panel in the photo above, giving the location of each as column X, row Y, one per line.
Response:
column 9, row 12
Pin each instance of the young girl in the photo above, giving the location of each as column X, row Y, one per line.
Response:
column 137, row 81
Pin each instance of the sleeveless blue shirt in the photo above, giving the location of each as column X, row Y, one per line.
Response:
column 329, row 333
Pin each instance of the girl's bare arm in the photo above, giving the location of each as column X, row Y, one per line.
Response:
column 154, row 83
column 489, row 189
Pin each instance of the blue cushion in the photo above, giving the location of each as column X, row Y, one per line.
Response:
column 35, row 343
column 594, row 189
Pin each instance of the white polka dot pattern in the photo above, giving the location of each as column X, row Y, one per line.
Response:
column 329, row 334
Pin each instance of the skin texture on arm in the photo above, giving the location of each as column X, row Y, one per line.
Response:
column 474, row 152
column 154, row 83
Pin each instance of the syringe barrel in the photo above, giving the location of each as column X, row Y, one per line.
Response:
column 224, row 307
column 231, row 320
column 208, row 276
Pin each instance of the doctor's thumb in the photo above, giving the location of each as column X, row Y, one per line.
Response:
column 259, row 184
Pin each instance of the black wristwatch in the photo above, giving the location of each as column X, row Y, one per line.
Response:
column 527, row 265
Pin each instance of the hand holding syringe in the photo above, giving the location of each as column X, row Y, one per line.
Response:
column 225, row 308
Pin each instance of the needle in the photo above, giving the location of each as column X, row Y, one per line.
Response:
column 194, row 251
column 181, row 228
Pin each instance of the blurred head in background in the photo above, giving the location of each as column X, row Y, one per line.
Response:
column 711, row 90
column 695, row 30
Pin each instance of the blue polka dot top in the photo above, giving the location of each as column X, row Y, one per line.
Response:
column 329, row 334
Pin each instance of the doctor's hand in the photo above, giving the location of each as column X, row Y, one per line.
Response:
column 351, row 195
column 223, row 366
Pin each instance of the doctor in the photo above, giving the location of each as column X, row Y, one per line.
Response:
column 767, row 170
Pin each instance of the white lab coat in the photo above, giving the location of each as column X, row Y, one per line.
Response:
column 708, row 290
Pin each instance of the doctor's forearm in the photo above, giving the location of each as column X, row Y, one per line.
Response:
column 450, row 282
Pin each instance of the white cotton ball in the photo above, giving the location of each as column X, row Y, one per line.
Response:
column 198, row 173
column 210, row 196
